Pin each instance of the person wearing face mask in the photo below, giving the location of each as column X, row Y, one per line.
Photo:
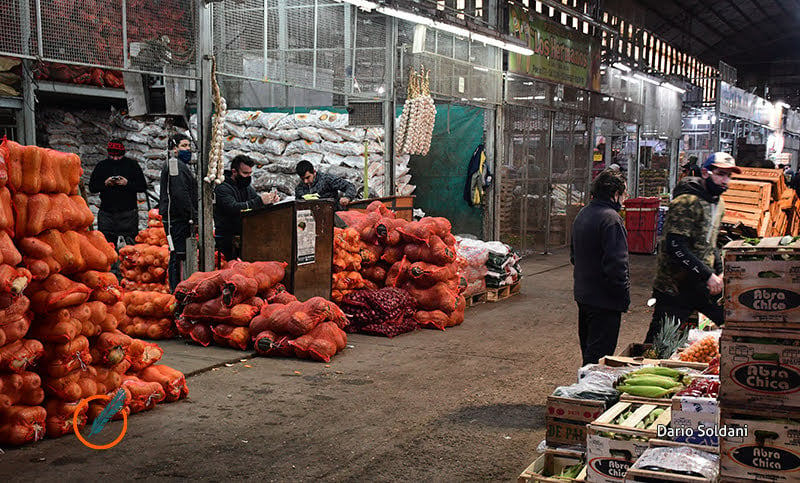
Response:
column 689, row 273
column 599, row 253
column 178, row 202
column 118, row 179
column 232, row 196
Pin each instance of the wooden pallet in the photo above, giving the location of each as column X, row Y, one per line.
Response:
column 476, row 299
column 502, row 293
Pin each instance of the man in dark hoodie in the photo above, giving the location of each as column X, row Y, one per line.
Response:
column 599, row 252
column 689, row 273
column 232, row 196
column 118, row 179
column 178, row 203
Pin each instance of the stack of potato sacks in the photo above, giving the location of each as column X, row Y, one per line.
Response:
column 419, row 257
column 218, row 306
column 75, row 304
column 150, row 306
column 307, row 330
column 22, row 418
column 347, row 263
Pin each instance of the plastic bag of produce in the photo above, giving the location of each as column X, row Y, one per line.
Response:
column 23, row 424
column 228, row 335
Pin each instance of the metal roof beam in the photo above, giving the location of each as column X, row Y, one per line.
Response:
column 676, row 26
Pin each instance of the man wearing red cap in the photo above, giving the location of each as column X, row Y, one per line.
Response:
column 118, row 179
column 689, row 273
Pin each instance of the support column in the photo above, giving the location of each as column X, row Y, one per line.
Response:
column 389, row 105
column 28, row 96
column 205, row 210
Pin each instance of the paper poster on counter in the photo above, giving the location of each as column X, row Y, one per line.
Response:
column 306, row 237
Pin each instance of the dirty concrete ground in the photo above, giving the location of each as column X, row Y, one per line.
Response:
column 466, row 404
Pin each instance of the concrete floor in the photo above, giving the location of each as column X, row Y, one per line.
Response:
column 466, row 404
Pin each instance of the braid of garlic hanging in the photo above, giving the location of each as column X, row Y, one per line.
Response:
column 216, row 160
column 415, row 127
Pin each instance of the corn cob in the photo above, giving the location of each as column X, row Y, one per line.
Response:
column 652, row 380
column 660, row 371
column 647, row 391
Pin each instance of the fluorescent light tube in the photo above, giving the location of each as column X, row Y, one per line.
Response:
column 621, row 66
column 646, row 79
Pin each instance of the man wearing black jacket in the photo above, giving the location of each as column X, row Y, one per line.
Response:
column 689, row 273
column 118, row 179
column 178, row 203
column 599, row 252
column 232, row 196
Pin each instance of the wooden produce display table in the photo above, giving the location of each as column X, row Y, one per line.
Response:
column 402, row 205
column 299, row 233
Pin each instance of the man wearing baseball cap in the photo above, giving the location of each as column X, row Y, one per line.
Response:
column 118, row 179
column 689, row 273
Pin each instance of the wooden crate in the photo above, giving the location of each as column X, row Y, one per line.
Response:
column 634, row 349
column 759, row 445
column 760, row 368
column 566, row 419
column 773, row 176
column 552, row 462
column 607, row 456
column 762, row 288
column 640, row 475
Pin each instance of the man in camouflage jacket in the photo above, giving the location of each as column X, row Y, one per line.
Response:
column 689, row 273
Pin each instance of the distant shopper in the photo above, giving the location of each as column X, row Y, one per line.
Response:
column 599, row 253
column 118, row 179
column 324, row 185
column 178, row 203
column 691, row 168
column 232, row 196
column 689, row 273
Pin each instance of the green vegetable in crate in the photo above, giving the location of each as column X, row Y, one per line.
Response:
column 571, row 472
column 651, row 418
column 651, row 380
column 660, row 371
column 648, row 391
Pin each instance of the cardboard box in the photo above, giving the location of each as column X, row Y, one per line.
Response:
column 753, row 448
column 691, row 416
column 762, row 284
column 552, row 462
column 566, row 419
column 611, row 448
column 760, row 368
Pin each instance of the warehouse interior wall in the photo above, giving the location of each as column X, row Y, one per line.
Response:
column 441, row 175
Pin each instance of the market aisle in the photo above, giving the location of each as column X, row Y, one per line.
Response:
column 465, row 404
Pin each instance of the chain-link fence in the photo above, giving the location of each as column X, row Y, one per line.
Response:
column 320, row 45
column 100, row 34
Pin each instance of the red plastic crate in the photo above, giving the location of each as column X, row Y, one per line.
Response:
column 642, row 241
column 641, row 214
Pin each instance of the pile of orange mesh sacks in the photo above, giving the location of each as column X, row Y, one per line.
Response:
column 143, row 267
column 61, row 342
column 419, row 257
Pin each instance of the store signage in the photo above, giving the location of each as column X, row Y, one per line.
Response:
column 560, row 55
column 740, row 103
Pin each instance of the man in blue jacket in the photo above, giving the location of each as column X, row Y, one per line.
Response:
column 232, row 196
column 599, row 252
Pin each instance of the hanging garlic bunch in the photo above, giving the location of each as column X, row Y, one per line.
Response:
column 415, row 127
column 216, row 159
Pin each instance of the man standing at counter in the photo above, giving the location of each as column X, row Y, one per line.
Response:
column 324, row 185
column 232, row 196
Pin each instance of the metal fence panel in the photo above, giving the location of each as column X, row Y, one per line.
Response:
column 311, row 44
column 157, row 33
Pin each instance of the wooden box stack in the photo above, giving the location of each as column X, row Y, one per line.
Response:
column 759, row 198
column 760, row 362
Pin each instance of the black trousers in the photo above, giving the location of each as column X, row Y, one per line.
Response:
column 114, row 225
column 682, row 307
column 598, row 330
column 179, row 230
